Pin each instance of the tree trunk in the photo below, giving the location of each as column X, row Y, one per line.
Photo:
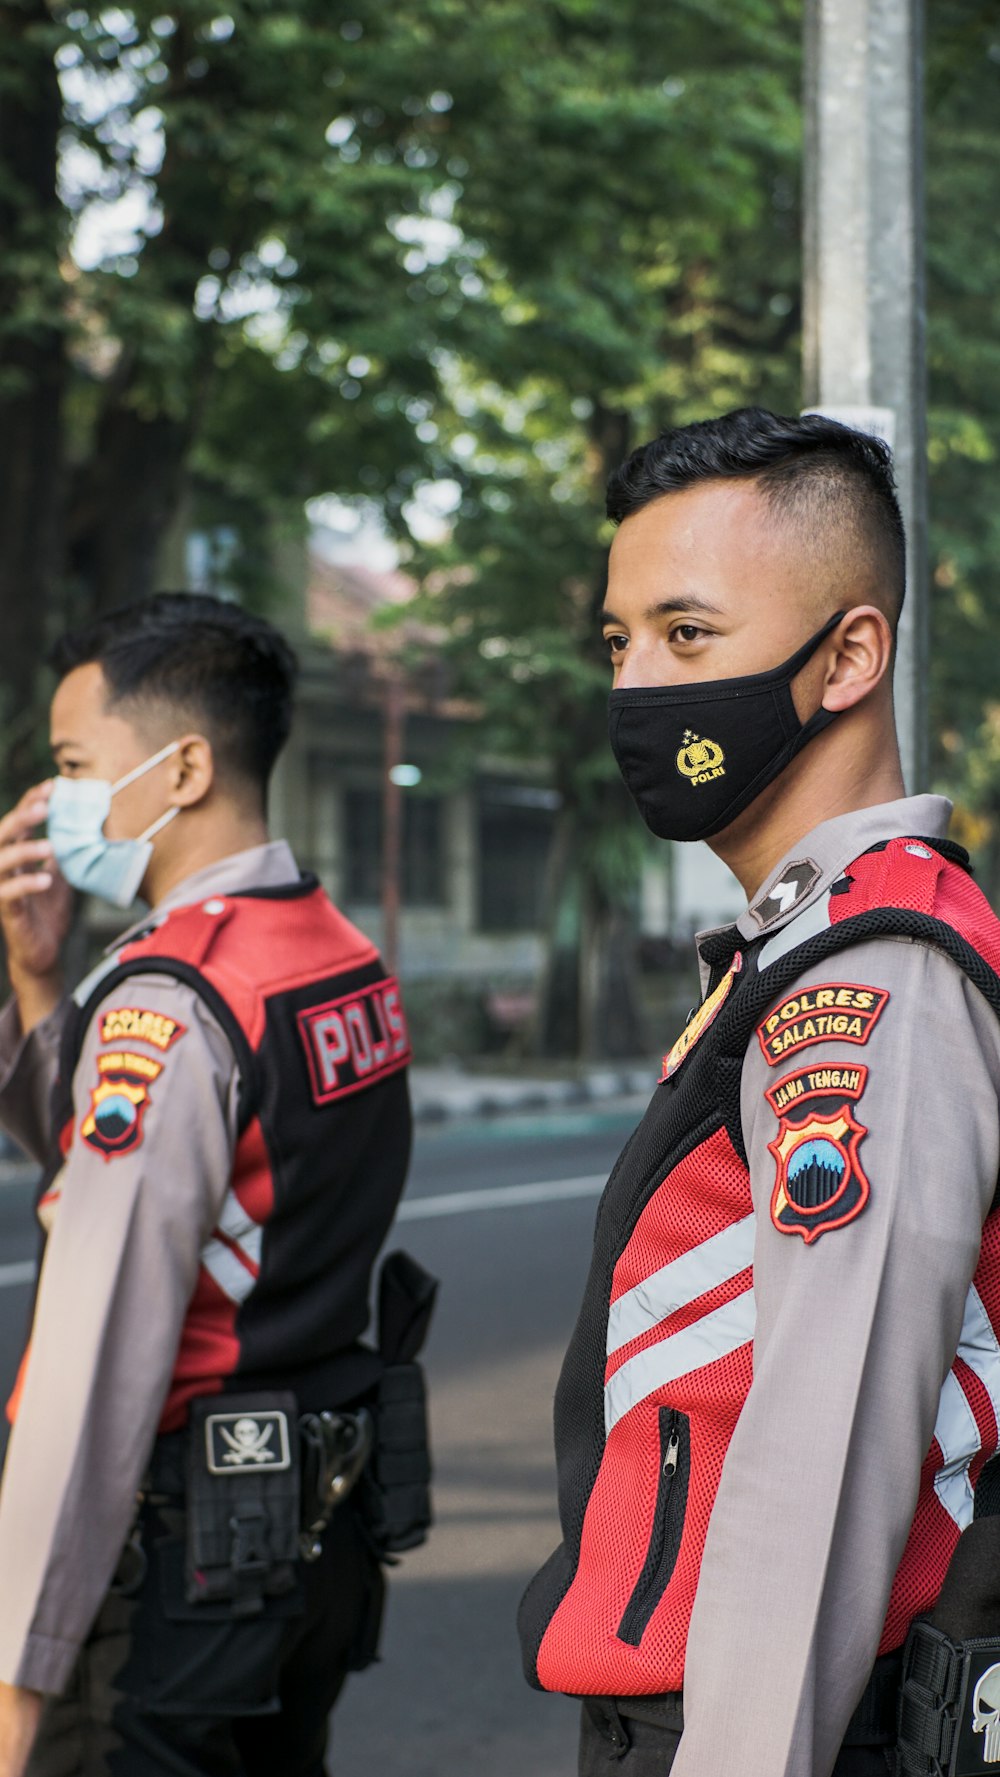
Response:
column 129, row 491
column 588, row 1004
column 32, row 379
column 556, row 1026
column 126, row 497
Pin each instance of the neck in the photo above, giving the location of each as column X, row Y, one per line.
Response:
column 833, row 775
column 206, row 842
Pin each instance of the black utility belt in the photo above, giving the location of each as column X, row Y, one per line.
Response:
column 872, row 1724
column 260, row 1482
column 949, row 1707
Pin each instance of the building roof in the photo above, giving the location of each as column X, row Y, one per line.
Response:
column 343, row 603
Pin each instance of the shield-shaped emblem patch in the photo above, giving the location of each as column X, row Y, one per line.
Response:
column 820, row 1183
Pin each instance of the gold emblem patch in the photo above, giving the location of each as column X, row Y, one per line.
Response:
column 700, row 760
column 699, row 1022
column 113, row 1124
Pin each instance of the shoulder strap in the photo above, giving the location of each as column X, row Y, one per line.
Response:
column 104, row 980
column 919, row 879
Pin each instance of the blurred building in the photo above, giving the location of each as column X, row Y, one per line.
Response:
column 475, row 831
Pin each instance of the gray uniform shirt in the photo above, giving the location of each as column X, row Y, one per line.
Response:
column 121, row 1261
column 855, row 1334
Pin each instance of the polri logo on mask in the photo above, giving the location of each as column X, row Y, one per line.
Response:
column 658, row 737
column 700, row 760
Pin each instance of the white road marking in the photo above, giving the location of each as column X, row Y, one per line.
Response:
column 418, row 1209
column 455, row 1203
column 12, row 1275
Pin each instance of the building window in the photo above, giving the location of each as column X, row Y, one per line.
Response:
column 423, row 862
column 515, row 835
column 423, row 851
column 363, row 845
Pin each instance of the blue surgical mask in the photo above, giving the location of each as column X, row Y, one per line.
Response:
column 78, row 809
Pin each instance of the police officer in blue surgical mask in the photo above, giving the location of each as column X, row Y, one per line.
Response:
column 193, row 1502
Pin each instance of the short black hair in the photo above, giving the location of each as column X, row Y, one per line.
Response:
column 230, row 670
column 801, row 463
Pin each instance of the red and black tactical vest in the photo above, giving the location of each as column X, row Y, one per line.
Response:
column 321, row 1046
column 661, row 1359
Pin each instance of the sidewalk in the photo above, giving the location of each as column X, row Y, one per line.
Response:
column 441, row 1093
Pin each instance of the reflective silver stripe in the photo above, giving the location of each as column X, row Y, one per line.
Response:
column 240, row 1228
column 958, row 1435
column 715, row 1335
column 955, row 1427
column 233, row 1278
column 809, row 924
column 715, row 1261
column 980, row 1347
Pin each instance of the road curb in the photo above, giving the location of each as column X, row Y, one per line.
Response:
column 498, row 1097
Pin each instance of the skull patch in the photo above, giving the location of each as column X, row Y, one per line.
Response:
column 986, row 1713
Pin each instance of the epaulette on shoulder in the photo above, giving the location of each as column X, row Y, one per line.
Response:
column 923, row 876
column 899, row 873
column 188, row 934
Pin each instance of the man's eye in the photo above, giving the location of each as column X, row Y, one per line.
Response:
column 686, row 632
column 616, row 643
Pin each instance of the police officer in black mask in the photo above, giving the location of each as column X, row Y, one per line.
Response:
column 777, row 1417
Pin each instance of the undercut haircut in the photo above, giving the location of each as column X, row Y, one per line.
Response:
column 222, row 669
column 810, row 470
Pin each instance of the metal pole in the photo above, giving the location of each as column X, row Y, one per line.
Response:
column 392, row 822
column 864, row 358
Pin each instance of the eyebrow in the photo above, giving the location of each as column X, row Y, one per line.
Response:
column 684, row 605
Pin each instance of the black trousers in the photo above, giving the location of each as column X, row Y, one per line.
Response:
column 192, row 1691
column 612, row 1745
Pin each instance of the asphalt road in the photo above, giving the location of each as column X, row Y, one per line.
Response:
column 502, row 1212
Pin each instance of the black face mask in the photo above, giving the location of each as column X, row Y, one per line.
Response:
column 695, row 756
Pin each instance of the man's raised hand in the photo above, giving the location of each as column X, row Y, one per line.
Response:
column 36, row 906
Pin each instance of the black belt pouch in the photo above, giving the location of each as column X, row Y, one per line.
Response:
column 396, row 1495
column 397, row 1483
column 243, row 1500
column 949, row 1705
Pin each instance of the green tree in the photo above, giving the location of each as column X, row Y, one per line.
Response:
column 259, row 339
column 627, row 196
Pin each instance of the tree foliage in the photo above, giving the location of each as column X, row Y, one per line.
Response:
column 485, row 246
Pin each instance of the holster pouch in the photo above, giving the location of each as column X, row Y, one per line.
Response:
column 334, row 1448
column 949, row 1702
column 243, row 1500
column 397, row 1496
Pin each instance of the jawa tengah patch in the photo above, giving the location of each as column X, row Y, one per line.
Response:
column 820, row 1184
column 113, row 1124
column 837, row 1012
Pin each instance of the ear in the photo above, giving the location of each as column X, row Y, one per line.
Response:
column 858, row 656
column 192, row 771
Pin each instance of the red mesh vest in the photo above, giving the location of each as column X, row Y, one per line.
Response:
column 640, row 1460
column 321, row 1044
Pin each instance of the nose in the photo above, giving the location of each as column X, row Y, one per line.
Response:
column 646, row 663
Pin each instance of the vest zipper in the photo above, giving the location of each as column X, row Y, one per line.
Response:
column 668, row 1526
